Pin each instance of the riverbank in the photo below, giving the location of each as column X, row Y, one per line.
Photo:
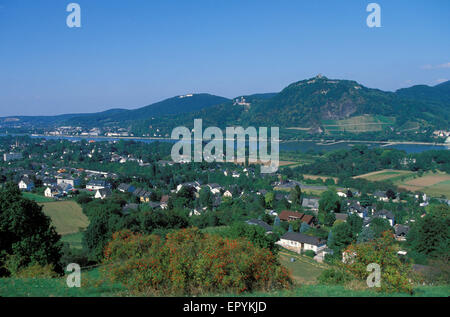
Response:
column 318, row 142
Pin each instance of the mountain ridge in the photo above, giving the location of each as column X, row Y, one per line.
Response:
column 310, row 103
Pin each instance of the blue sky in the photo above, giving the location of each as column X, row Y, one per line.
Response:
column 132, row 53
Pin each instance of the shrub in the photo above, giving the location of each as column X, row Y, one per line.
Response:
column 190, row 262
column 36, row 271
column 334, row 277
column 395, row 275
column 309, row 253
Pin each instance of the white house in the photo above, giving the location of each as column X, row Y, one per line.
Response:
column 195, row 185
column 227, row 194
column 214, row 188
column 299, row 242
column 52, row 192
column 96, row 185
column 26, row 184
column 71, row 181
column 103, row 193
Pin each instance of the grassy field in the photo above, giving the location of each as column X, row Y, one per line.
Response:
column 37, row 198
column 387, row 174
column 304, row 270
column 74, row 240
column 365, row 123
column 67, row 216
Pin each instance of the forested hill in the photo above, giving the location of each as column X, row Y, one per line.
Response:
column 315, row 101
column 318, row 103
column 173, row 106
column 439, row 93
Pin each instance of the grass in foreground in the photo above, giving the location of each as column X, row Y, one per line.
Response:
column 92, row 286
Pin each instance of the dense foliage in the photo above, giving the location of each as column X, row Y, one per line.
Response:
column 188, row 262
column 26, row 236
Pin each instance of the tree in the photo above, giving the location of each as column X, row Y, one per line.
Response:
column 277, row 222
column 430, row 235
column 329, row 219
column 390, row 194
column 395, row 274
column 342, row 237
column 380, row 225
column 205, row 198
column 269, row 198
column 296, row 196
column 304, row 227
column 26, row 234
column 366, row 235
column 355, row 222
column 254, row 234
column 329, row 201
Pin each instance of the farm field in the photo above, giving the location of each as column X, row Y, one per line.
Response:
column 322, row 177
column 432, row 184
column 67, row 216
column 386, row 174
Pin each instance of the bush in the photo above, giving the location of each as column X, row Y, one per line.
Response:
column 190, row 262
column 333, row 277
column 395, row 275
column 36, row 271
column 309, row 253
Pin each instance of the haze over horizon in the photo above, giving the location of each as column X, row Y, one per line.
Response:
column 131, row 56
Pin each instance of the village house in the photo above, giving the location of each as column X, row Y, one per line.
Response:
column 126, row 188
column 52, row 192
column 341, row 216
column 299, row 242
column 68, row 180
column 381, row 196
column 287, row 215
column 49, row 182
column 103, row 193
column 214, row 188
column 12, row 156
column 26, row 184
column 64, row 188
column 228, row 194
column 164, row 201
column 142, row 195
column 385, row 214
column 311, row 203
column 356, row 208
column 401, row 231
column 97, row 184
column 195, row 185
column 260, row 223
